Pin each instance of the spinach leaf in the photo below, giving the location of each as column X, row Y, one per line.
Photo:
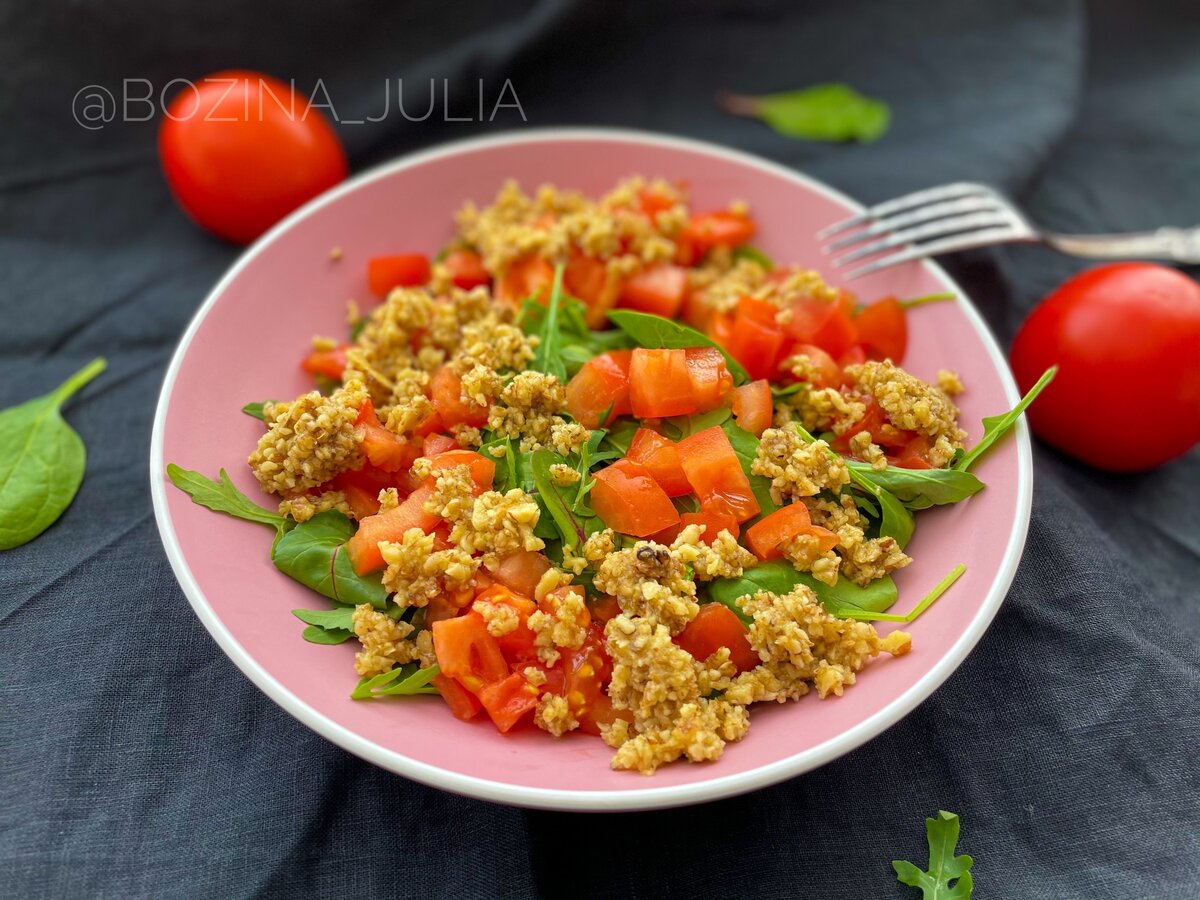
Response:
column 357, row 328
column 944, row 866
column 403, row 681
column 255, row 410
column 222, row 496
column 823, row 112
column 746, row 251
column 571, row 525
column 42, row 460
column 679, row 427
column 779, row 393
column 920, row 488
column 311, row 553
column 745, row 447
column 652, row 331
column 845, row 599
column 995, row 427
column 547, row 357
column 620, row 436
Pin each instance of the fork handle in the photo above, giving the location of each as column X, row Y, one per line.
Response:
column 1180, row 245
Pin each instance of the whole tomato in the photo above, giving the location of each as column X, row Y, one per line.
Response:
column 1126, row 339
column 240, row 152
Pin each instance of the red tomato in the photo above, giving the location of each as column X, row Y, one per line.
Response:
column 240, row 151
column 752, row 407
column 766, row 536
column 824, row 323
column 602, row 384
column 327, row 363
column 718, row 229
column 467, row 653
column 883, row 327
column 714, row 627
column 521, row 570
column 660, row 456
column 437, row 443
column 446, row 391
column 1126, row 339
column 716, row 474
column 384, row 449
column 508, row 701
column 628, row 499
column 462, row 702
column 483, row 470
column 757, row 338
column 516, row 645
column 659, row 289
column 531, row 277
column 714, row 524
column 466, row 269
column 405, row 270
column 660, row 384
column 710, row 376
column 586, row 671
column 586, row 278
column 363, row 547
column 828, row 373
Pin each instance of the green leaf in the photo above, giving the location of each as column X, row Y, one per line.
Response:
column 845, row 598
column 224, row 497
column 745, row 446
column 311, row 553
column 316, row 634
column 256, row 409
column 42, row 460
column 996, row 427
column 747, row 251
column 403, row 681
column 944, row 866
column 571, row 526
column 357, row 328
column 341, row 617
column 927, row 298
column 620, row 436
column 919, row 488
column 547, row 357
column 823, row 112
column 679, row 427
column 652, row 331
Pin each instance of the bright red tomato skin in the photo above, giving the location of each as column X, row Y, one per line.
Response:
column 238, row 178
column 1126, row 339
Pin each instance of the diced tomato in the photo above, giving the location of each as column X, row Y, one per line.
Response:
column 883, row 328
column 508, row 701
column 603, row 608
column 438, row 443
column 659, row 289
column 717, row 229
column 711, row 380
column 587, row 670
column 361, row 488
column 531, row 277
column 441, row 607
column 660, row 384
column 587, row 278
column 855, row 356
column 466, row 269
column 914, row 454
column 483, row 470
column 720, row 328
column 824, row 323
column 602, row 384
column 384, row 449
column 361, row 501
column 390, row 525
column 757, row 339
column 653, row 202
column 452, row 408
column 521, row 570
column 387, row 272
column 518, row 644
column 716, row 475
column 767, row 536
column 468, row 653
column 714, row 524
column 660, row 456
column 752, row 407
column 628, row 499
column 431, row 424
column 717, row 626
column 326, row 363
column 462, row 702
column 875, row 422
column 828, row 373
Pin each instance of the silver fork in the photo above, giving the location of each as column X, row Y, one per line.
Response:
column 963, row 216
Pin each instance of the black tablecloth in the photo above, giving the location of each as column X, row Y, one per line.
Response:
column 136, row 761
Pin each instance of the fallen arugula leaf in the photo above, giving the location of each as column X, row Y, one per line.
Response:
column 311, row 553
column 42, row 460
column 651, row 331
column 255, row 410
column 944, row 866
column 995, row 427
column 823, row 112
column 224, row 497
column 403, row 681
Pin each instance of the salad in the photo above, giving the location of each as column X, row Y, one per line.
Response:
column 604, row 467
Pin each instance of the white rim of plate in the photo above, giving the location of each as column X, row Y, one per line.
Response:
column 546, row 798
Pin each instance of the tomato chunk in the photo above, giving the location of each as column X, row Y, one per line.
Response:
column 466, row 269
column 660, row 384
column 714, row 524
column 711, row 380
column 883, row 327
column 757, row 339
column 628, row 499
column 438, row 443
column 363, row 547
column 483, row 470
column 767, row 536
column 586, row 671
column 453, row 409
column 716, row 475
column 467, row 653
column 387, row 272
column 528, row 278
column 508, row 701
column 587, row 278
column 752, row 407
column 718, row 229
column 602, row 384
column 326, row 363
column 661, row 458
column 384, row 449
column 824, row 323
column 659, row 290
column 714, row 627
column 462, row 702
column 521, row 570
column 516, row 645
column 825, row 371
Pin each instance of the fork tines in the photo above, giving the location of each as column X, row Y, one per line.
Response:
column 937, row 220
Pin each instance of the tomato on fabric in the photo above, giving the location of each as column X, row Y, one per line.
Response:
column 466, row 269
column 241, row 150
column 601, row 385
column 1126, row 340
column 714, row 627
column 660, row 384
column 467, row 653
column 326, row 363
column 658, row 289
column 445, row 389
column 531, row 277
column 752, row 406
column 711, row 379
column 715, row 474
column 390, row 525
column 882, row 326
column 628, row 499
column 661, row 458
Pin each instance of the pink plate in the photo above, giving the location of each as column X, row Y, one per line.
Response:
column 244, row 344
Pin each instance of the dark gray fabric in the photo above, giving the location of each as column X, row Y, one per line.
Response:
column 137, row 762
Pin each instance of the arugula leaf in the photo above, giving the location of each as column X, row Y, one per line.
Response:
column 928, row 298
column 317, row 634
column 224, row 497
column 42, row 461
column 995, row 427
column 944, row 866
column 745, row 447
column 357, row 328
column 340, row 618
column 746, row 251
column 572, row 526
column 311, row 553
column 652, row 331
column 920, row 488
column 823, row 112
column 403, row 681
column 255, row 410
column 547, row 357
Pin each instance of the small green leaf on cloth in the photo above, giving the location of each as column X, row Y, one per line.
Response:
column 944, row 866
column 822, row 112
